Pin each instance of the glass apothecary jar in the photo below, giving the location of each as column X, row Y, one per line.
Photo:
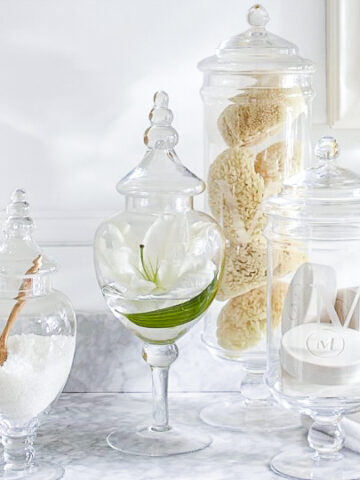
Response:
column 37, row 344
column 313, row 356
column 159, row 264
column 257, row 94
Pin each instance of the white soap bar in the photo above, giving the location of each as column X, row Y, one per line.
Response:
column 311, row 291
column 293, row 387
column 320, row 353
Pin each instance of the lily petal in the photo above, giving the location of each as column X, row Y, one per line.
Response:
column 177, row 256
column 167, row 238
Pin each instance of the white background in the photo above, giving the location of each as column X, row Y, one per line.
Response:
column 76, row 85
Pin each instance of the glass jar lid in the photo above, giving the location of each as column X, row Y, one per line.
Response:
column 20, row 254
column 160, row 171
column 257, row 50
column 326, row 193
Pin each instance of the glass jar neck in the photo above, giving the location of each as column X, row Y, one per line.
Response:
column 157, row 203
column 273, row 78
column 282, row 229
column 14, row 287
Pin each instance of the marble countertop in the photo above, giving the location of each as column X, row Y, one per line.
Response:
column 74, row 435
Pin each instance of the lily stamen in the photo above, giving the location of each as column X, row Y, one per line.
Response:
column 149, row 272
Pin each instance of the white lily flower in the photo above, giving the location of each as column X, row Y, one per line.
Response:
column 171, row 257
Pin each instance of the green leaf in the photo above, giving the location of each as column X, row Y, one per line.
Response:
column 177, row 314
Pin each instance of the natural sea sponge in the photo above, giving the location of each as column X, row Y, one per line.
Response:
column 258, row 114
column 246, row 266
column 235, row 192
column 244, row 269
column 276, row 160
column 287, row 259
column 242, row 321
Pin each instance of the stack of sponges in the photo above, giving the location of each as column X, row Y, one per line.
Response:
column 238, row 182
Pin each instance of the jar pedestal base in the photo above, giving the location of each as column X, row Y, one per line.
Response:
column 265, row 416
column 149, row 442
column 39, row 471
column 301, row 464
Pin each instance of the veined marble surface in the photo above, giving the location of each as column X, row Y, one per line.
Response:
column 108, row 359
column 74, row 436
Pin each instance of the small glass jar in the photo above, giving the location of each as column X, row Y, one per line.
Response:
column 257, row 94
column 159, row 264
column 37, row 344
column 313, row 355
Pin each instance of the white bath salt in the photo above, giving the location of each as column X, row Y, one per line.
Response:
column 34, row 373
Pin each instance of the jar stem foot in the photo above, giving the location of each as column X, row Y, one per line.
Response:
column 326, row 437
column 19, row 451
column 159, row 358
column 254, row 390
column 159, row 439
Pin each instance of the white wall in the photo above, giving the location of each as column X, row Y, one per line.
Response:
column 76, row 84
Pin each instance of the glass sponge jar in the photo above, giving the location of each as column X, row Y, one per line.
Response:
column 313, row 355
column 257, row 94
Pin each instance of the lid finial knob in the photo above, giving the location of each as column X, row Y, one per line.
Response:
column 18, row 206
column 161, row 135
column 258, row 16
column 18, row 211
column 327, row 148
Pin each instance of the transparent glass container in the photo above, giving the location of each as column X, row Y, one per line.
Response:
column 159, row 264
column 313, row 354
column 257, row 94
column 37, row 344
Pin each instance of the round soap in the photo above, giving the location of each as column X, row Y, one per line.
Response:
column 322, row 354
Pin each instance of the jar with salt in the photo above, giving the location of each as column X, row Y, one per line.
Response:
column 37, row 344
column 257, row 94
column 313, row 356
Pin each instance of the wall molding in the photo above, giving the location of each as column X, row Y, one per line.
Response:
column 67, row 228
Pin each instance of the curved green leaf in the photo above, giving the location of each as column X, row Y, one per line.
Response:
column 177, row 314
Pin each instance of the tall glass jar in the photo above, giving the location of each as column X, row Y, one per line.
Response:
column 37, row 344
column 313, row 355
column 159, row 264
column 257, row 94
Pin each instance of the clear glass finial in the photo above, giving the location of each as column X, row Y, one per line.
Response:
column 258, row 16
column 327, row 148
column 18, row 202
column 18, row 211
column 160, row 171
column 161, row 134
column 19, row 248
